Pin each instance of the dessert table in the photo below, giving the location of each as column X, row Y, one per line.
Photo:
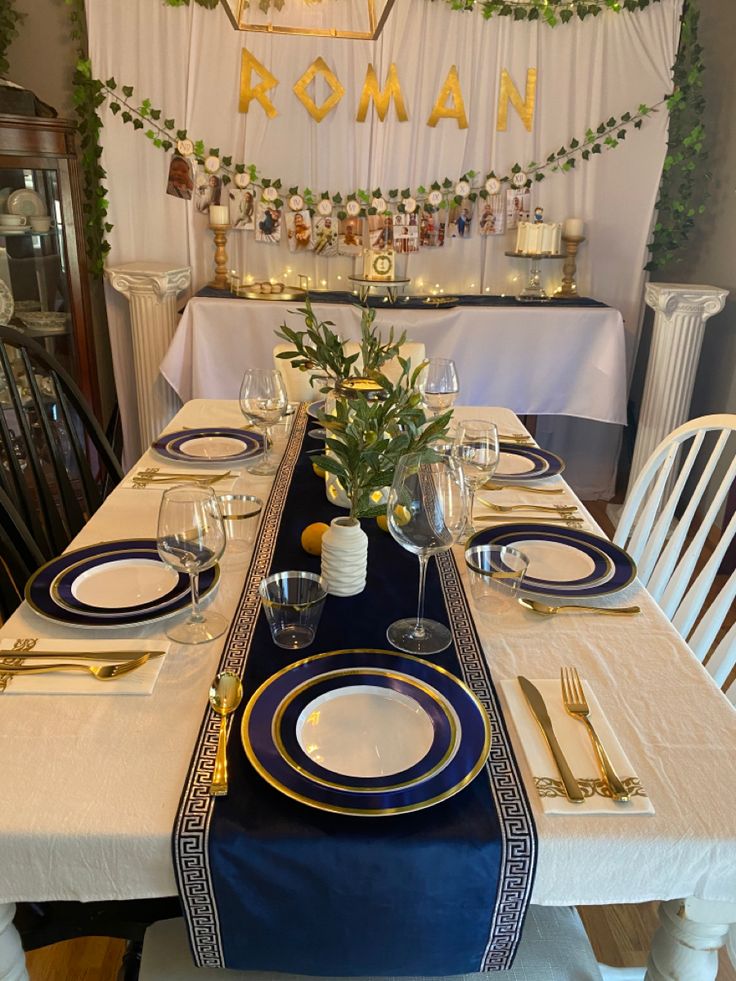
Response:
column 92, row 783
column 537, row 360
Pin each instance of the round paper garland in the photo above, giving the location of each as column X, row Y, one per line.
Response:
column 353, row 208
column 242, row 180
column 519, row 179
column 379, row 204
column 435, row 198
column 296, row 202
column 410, row 205
column 462, row 189
column 270, row 194
column 493, row 185
column 325, row 207
column 185, row 148
column 212, row 164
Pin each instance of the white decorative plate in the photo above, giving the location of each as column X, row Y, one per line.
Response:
column 26, row 202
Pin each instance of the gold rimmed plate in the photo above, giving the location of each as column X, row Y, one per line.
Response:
column 306, row 730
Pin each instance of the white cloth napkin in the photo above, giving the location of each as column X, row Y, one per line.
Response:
column 578, row 749
column 141, row 681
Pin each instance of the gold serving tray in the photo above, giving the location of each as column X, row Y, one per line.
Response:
column 290, row 294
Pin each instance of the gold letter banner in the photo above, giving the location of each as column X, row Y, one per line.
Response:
column 441, row 110
column 319, row 67
column 382, row 99
column 509, row 93
column 249, row 65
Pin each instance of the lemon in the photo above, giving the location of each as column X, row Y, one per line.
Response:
column 382, row 522
column 318, row 470
column 402, row 515
column 312, row 537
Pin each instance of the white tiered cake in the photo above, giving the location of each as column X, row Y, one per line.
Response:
column 538, row 238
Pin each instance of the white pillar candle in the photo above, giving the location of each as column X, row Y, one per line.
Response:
column 219, row 214
column 573, row 228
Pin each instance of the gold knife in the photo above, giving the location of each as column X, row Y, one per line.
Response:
column 76, row 656
column 540, row 713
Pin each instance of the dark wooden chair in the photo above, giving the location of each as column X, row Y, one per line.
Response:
column 56, row 464
column 19, row 557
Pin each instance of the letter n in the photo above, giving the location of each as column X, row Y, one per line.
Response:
column 510, row 93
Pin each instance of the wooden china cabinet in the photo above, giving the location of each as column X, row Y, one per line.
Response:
column 46, row 271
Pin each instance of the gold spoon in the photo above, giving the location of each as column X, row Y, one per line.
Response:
column 226, row 694
column 545, row 610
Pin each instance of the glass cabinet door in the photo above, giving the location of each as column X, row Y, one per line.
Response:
column 33, row 258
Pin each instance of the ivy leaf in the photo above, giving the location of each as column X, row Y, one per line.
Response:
column 169, row 123
column 127, row 91
column 111, row 83
column 138, row 124
column 227, row 161
column 166, row 145
column 181, row 134
column 115, row 108
column 155, row 114
column 126, row 117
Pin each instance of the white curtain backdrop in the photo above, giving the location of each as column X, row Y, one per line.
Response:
column 187, row 61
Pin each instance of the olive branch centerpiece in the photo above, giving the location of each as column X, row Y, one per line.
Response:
column 366, row 436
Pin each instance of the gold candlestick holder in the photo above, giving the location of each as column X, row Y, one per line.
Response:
column 222, row 278
column 571, row 245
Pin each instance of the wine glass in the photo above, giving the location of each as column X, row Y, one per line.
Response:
column 476, row 449
column 191, row 538
column 263, row 402
column 426, row 515
column 441, row 386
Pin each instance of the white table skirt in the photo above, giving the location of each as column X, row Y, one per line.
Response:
column 91, row 785
column 540, row 360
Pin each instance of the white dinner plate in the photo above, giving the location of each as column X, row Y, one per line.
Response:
column 26, row 202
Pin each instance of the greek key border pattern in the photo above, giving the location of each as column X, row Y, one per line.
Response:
column 519, row 841
column 190, row 841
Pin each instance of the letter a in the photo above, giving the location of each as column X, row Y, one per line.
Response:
column 441, row 110
column 510, row 93
column 382, row 99
column 248, row 92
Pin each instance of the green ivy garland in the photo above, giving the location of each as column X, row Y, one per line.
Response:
column 87, row 96
column 552, row 12
column 684, row 185
column 10, row 20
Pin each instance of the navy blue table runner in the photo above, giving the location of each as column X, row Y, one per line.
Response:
column 270, row 884
column 417, row 302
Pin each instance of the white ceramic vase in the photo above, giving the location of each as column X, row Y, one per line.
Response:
column 344, row 557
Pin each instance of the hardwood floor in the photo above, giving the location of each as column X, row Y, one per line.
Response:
column 620, row 936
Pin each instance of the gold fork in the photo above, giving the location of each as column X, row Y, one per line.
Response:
column 104, row 672
column 491, row 486
column 505, row 508
column 576, row 705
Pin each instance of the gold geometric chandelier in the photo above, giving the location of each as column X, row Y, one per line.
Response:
column 356, row 19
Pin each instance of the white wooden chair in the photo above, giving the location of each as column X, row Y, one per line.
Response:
column 554, row 947
column 413, row 351
column 656, row 535
column 296, row 382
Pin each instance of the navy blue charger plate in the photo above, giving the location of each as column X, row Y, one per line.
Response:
column 544, row 464
column 172, row 445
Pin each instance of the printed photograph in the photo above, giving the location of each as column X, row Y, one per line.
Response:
column 242, row 203
column 406, row 233
column 299, row 231
column 380, row 231
column 461, row 219
column 492, row 215
column 207, row 190
column 268, row 223
column 181, row 178
column 350, row 236
column 324, row 235
column 518, row 206
column 432, row 228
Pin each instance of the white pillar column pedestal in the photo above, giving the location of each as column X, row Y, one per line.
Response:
column 151, row 289
column 686, row 945
column 679, row 324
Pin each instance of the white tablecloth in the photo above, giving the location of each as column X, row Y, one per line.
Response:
column 541, row 360
column 91, row 785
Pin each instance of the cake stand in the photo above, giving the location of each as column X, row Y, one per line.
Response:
column 393, row 286
column 533, row 289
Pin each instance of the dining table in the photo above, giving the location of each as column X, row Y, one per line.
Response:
column 92, row 783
